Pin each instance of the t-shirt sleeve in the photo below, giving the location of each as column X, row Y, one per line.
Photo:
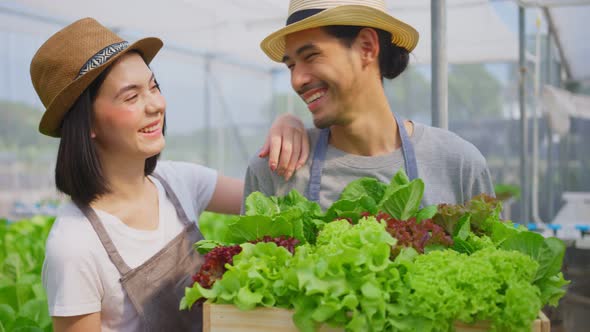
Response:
column 481, row 182
column 205, row 180
column 258, row 178
column 70, row 277
column 193, row 184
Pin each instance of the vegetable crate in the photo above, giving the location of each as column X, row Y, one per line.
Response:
column 228, row 318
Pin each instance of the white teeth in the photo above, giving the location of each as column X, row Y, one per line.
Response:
column 149, row 129
column 315, row 97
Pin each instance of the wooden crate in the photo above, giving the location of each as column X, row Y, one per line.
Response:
column 228, row 318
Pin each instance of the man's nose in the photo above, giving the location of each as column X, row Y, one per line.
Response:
column 299, row 78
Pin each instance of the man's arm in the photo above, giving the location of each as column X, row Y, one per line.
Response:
column 481, row 184
column 258, row 178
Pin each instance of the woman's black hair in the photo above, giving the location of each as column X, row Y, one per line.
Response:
column 78, row 172
column 393, row 59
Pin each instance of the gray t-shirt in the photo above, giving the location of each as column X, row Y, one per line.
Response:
column 453, row 170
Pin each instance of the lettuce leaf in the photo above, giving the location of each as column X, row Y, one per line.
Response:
column 426, row 213
column 351, row 209
column 370, row 187
column 402, row 198
column 292, row 215
column 257, row 204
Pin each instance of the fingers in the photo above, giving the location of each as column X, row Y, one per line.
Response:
column 292, row 167
column 286, row 152
column 304, row 150
column 274, row 150
column 264, row 151
column 286, row 146
column 292, row 164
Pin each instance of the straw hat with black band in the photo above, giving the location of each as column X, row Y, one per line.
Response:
column 307, row 14
column 67, row 63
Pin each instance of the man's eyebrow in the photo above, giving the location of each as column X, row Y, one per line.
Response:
column 131, row 87
column 300, row 50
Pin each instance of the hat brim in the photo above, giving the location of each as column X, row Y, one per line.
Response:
column 403, row 35
column 52, row 118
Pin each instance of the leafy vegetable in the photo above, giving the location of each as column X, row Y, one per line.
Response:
column 377, row 261
column 404, row 202
column 369, row 187
column 291, row 216
column 23, row 302
column 426, row 213
column 491, row 284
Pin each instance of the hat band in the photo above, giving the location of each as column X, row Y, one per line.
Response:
column 102, row 56
column 302, row 14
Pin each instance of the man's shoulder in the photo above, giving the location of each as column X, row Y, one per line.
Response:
column 444, row 144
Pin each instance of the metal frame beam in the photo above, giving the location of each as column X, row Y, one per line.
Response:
column 440, row 82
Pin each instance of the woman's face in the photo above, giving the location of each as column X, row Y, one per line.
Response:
column 129, row 111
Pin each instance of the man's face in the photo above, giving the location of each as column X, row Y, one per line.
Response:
column 324, row 72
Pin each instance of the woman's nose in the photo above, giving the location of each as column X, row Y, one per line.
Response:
column 156, row 103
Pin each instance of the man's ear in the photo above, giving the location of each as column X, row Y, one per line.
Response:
column 367, row 42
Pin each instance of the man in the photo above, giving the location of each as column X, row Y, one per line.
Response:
column 338, row 53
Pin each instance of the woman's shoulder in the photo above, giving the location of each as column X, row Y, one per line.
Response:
column 193, row 184
column 183, row 171
column 71, row 235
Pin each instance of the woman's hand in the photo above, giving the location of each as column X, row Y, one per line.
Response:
column 286, row 145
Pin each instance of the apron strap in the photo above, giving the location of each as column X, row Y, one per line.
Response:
column 321, row 148
column 105, row 239
column 407, row 149
column 174, row 199
column 319, row 156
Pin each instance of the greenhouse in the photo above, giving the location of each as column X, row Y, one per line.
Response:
column 507, row 77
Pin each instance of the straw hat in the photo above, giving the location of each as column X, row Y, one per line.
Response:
column 307, row 14
column 69, row 61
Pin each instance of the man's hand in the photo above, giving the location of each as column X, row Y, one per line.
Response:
column 286, row 145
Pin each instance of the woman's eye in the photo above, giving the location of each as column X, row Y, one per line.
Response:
column 156, row 86
column 131, row 98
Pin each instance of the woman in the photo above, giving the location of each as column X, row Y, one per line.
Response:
column 120, row 255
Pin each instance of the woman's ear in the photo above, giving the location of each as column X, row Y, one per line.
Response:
column 367, row 42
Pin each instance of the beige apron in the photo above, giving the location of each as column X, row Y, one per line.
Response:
column 156, row 286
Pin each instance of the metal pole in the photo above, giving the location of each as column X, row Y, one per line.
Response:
column 536, row 111
column 207, row 108
column 274, row 73
column 550, row 171
column 440, row 91
column 523, row 118
column 8, row 67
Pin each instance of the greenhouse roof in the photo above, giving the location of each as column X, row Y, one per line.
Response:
column 233, row 29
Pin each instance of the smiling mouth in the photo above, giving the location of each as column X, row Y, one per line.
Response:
column 315, row 97
column 150, row 129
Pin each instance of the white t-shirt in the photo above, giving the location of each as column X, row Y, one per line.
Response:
column 78, row 275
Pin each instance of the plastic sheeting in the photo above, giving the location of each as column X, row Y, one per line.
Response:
column 559, row 105
column 234, row 29
column 570, row 19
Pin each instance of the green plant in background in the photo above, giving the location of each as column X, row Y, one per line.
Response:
column 213, row 226
column 23, row 302
column 505, row 192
